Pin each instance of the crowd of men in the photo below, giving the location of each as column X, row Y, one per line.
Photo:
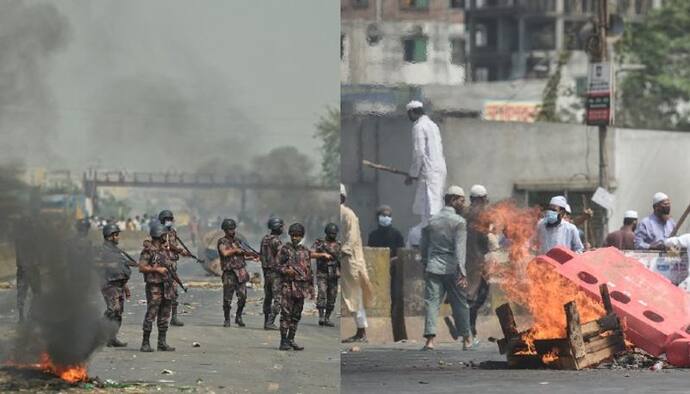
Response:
column 453, row 251
column 287, row 269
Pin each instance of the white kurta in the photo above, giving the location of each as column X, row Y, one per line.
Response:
column 429, row 165
column 354, row 281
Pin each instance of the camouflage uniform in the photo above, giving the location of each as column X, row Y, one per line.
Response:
column 174, row 252
column 270, row 246
column 327, row 274
column 115, row 274
column 294, row 288
column 235, row 277
column 159, row 290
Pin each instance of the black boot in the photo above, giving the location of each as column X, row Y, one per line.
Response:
column 291, row 339
column 268, row 322
column 226, row 314
column 162, row 345
column 327, row 321
column 284, row 343
column 175, row 321
column 238, row 316
column 145, row 345
column 322, row 319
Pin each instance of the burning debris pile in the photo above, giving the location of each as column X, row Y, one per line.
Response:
column 584, row 345
column 546, row 285
column 64, row 324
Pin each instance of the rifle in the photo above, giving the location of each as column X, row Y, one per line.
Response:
column 246, row 247
column 188, row 251
column 172, row 274
column 134, row 263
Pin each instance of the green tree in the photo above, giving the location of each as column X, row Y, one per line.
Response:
column 288, row 167
column 547, row 112
column 653, row 99
column 328, row 131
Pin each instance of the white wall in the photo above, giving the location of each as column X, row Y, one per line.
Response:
column 383, row 62
column 650, row 161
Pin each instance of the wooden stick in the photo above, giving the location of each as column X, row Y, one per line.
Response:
column 382, row 167
column 680, row 221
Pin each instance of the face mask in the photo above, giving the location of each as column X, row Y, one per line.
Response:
column 168, row 223
column 385, row 221
column 551, row 216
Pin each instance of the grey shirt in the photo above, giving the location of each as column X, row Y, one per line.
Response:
column 443, row 243
column 564, row 234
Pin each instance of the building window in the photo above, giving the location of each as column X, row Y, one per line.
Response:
column 457, row 51
column 579, row 7
column 481, row 36
column 457, row 4
column 360, row 3
column 538, row 67
column 414, row 4
column 481, row 74
column 541, row 35
column 415, row 49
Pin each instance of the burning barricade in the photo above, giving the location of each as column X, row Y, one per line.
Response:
column 576, row 322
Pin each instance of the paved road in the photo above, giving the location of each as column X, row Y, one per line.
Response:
column 229, row 360
column 403, row 368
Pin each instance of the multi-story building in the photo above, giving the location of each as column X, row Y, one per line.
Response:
column 521, row 39
column 393, row 42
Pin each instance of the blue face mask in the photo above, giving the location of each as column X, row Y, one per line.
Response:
column 385, row 221
column 551, row 217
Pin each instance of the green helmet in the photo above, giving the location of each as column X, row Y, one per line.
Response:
column 110, row 229
column 165, row 214
column 275, row 223
column 228, row 224
column 157, row 230
column 331, row 229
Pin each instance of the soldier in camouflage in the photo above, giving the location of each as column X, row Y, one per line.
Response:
column 154, row 264
column 270, row 245
column 167, row 219
column 116, row 272
column 235, row 276
column 327, row 274
column 297, row 283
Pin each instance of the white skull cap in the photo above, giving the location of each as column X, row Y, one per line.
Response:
column 343, row 190
column 455, row 191
column 659, row 197
column 630, row 215
column 414, row 104
column 559, row 201
column 478, row 191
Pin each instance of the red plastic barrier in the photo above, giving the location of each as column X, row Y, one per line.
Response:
column 656, row 313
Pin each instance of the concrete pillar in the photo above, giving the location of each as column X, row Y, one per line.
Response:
column 560, row 25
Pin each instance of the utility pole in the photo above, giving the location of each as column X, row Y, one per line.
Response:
column 600, row 91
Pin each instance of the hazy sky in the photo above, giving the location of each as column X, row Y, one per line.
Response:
column 168, row 84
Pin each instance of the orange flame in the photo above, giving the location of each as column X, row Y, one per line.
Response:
column 69, row 373
column 529, row 283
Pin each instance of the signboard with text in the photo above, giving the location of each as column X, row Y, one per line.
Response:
column 599, row 95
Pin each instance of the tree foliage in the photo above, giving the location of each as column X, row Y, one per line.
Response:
column 328, row 131
column 657, row 98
